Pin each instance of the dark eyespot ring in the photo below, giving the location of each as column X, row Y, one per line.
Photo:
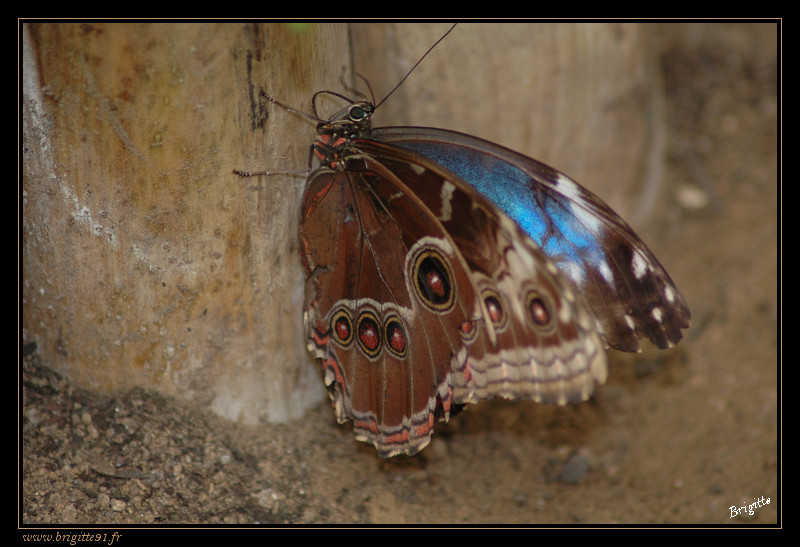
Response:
column 432, row 280
column 541, row 310
column 342, row 327
column 395, row 336
column 368, row 334
column 495, row 308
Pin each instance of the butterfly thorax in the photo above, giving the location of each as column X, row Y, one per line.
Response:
column 334, row 135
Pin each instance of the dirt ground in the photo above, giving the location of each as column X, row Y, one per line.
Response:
column 674, row 437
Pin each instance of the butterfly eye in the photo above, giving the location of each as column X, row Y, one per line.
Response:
column 357, row 113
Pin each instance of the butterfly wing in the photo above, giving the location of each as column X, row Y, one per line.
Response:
column 421, row 295
column 613, row 272
column 381, row 370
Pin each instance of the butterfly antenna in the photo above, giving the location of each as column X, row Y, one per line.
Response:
column 416, row 65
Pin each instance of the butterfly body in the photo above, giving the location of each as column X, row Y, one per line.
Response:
column 442, row 269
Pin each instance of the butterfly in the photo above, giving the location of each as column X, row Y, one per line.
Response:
column 442, row 269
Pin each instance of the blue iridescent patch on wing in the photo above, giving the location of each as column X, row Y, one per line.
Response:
column 547, row 216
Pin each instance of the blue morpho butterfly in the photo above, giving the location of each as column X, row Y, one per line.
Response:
column 442, row 269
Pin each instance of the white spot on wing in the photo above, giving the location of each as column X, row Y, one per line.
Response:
column 564, row 315
column 446, row 196
column 657, row 314
column 568, row 187
column 572, row 271
column 573, row 191
column 605, row 271
column 629, row 321
column 639, row 266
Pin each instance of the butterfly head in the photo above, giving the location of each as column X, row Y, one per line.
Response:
column 335, row 134
column 354, row 118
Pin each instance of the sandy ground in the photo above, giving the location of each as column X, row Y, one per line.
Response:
column 674, row 437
